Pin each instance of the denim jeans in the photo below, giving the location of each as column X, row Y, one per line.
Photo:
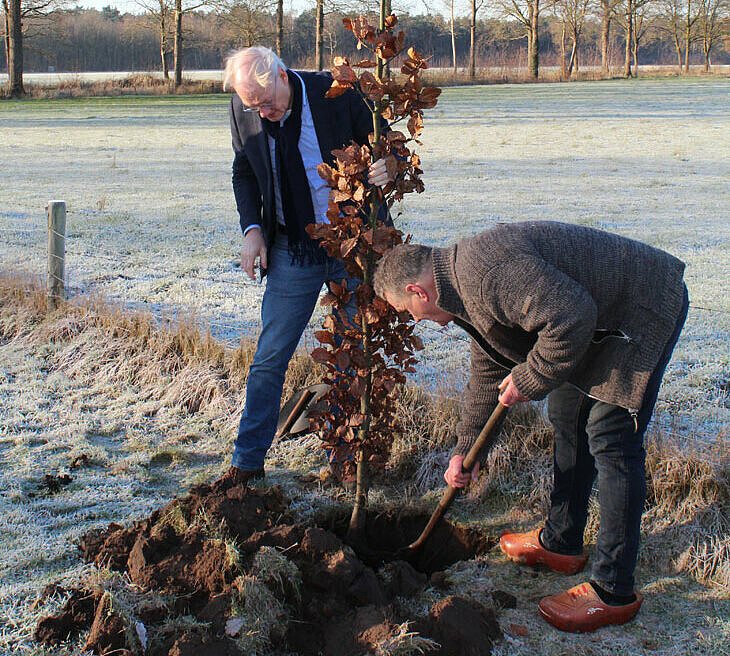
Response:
column 291, row 293
column 593, row 438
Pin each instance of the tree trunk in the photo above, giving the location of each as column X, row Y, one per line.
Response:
column 453, row 38
column 358, row 516
column 706, row 49
column 388, row 12
column 472, row 40
column 279, row 26
column 687, row 36
column 534, row 50
column 15, row 50
column 6, row 34
column 571, row 63
column 177, row 43
column 629, row 36
column 635, row 50
column 605, row 37
column 163, row 48
column 563, row 55
column 678, row 48
column 319, row 37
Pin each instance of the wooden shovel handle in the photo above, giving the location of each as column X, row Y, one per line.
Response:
column 470, row 460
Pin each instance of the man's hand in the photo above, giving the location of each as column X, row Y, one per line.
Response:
column 454, row 475
column 253, row 247
column 378, row 172
column 509, row 393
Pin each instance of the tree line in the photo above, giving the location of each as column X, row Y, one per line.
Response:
column 44, row 35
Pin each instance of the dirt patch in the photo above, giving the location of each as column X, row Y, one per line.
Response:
column 387, row 534
column 230, row 571
column 51, row 484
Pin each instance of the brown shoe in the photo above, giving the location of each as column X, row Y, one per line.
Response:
column 580, row 610
column 525, row 548
column 236, row 476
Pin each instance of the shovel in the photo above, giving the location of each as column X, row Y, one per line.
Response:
column 293, row 417
column 450, row 492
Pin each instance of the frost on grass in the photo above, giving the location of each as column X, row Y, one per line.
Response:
column 645, row 159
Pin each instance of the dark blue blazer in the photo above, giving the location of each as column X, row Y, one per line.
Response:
column 337, row 122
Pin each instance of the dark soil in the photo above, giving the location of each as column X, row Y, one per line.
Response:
column 344, row 602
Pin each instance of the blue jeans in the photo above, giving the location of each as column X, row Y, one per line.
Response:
column 592, row 439
column 291, row 294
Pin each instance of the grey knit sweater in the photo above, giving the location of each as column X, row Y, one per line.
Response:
column 556, row 303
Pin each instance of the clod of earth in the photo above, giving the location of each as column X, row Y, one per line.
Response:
column 252, row 579
column 51, row 484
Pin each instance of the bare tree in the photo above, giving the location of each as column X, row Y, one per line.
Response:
column 14, row 41
column 572, row 14
column 247, row 22
column 182, row 7
column 691, row 17
column 279, row 26
column 642, row 24
column 18, row 15
column 526, row 12
column 606, row 10
column 710, row 25
column 670, row 23
column 630, row 8
column 475, row 7
column 453, row 34
column 160, row 13
column 319, row 36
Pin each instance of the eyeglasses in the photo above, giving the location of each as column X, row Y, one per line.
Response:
column 267, row 105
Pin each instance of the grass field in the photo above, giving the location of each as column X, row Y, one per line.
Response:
column 152, row 225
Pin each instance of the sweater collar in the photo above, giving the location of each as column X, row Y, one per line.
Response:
column 443, row 261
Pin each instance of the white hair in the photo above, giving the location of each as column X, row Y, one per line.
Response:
column 255, row 67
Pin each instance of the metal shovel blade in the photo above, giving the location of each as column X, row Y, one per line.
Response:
column 293, row 417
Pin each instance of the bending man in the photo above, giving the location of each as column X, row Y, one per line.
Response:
column 588, row 319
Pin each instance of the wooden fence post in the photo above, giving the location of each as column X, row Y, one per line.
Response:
column 56, row 211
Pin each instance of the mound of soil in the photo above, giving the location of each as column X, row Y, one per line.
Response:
column 246, row 576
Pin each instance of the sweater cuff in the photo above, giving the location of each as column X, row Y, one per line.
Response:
column 463, row 445
column 529, row 384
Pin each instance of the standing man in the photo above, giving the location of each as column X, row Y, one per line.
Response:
column 588, row 319
column 283, row 127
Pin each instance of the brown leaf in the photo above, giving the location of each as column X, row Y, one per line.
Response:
column 356, row 419
column 391, row 21
column 391, row 166
column 415, row 124
column 357, row 387
column 518, row 629
column 336, row 90
column 320, row 355
column 365, row 63
column 428, row 97
column 362, row 29
column 324, row 337
column 343, row 360
column 347, row 246
column 342, row 73
column 370, row 86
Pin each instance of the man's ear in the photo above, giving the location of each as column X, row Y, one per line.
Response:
column 415, row 288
